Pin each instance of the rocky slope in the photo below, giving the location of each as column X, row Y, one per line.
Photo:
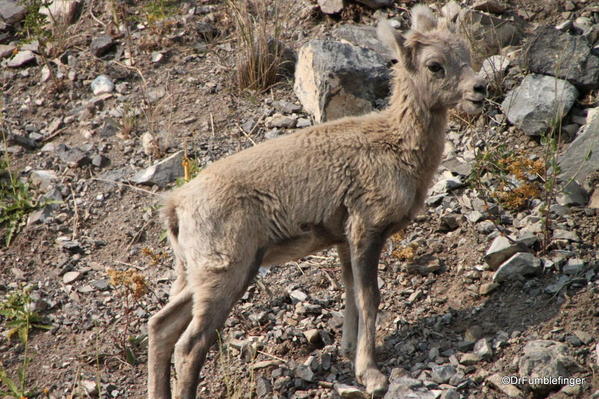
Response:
column 497, row 278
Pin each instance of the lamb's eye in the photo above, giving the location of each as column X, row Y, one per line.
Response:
column 435, row 67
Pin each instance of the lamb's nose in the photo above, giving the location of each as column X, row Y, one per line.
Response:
column 480, row 88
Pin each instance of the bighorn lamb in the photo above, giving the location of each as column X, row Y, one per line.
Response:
column 350, row 183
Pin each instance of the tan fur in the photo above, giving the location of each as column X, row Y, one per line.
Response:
column 349, row 183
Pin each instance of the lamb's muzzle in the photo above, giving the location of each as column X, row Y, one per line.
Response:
column 350, row 183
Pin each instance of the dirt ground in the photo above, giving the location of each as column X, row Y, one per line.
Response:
column 99, row 332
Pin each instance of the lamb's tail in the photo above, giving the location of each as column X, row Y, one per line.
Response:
column 171, row 222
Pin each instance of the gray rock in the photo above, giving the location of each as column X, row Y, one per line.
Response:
column 61, row 11
column 538, row 102
column 574, row 266
column 298, row 296
column 584, row 336
column 442, row 374
column 491, row 6
column 162, row 172
column 303, row 122
column 556, row 287
column 43, row 179
column 11, row 11
column 398, row 391
column 90, row 387
column 102, row 84
column 451, row 393
column 22, row 58
column 500, row 250
column 6, row 50
column 263, row 388
column 363, row 36
column 349, row 392
column 330, row 6
column 334, row 79
column 510, row 390
column 71, row 277
column 101, row 45
column 469, row 359
column 516, row 267
column 483, row 349
column 458, row 167
column 494, row 68
column 572, row 194
column 551, row 52
column 546, row 359
column 304, row 372
column 559, row 234
column 282, row 121
column 72, row 156
column 594, row 200
column 581, row 158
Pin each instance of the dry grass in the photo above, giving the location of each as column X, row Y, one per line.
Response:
column 262, row 59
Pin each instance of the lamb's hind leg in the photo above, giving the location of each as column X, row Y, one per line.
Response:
column 164, row 330
column 365, row 248
column 350, row 316
column 214, row 294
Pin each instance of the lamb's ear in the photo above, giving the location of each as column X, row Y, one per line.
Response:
column 423, row 18
column 450, row 12
column 395, row 41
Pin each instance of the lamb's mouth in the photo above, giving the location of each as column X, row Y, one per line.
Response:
column 478, row 103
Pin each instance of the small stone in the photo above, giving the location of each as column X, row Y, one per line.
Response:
column 584, row 336
column 559, row 234
column 71, row 277
column 72, row 156
column 11, row 11
column 349, row 392
column 263, row 388
column 102, row 84
column 572, row 195
column 313, row 336
column 594, row 200
column 330, row 6
column 303, row 122
column 451, row 393
column 157, row 57
column 6, row 50
column 574, row 266
column 510, row 390
column 100, row 284
column 298, row 296
column 515, row 268
column 483, row 349
column 90, row 387
column 473, row 333
column 282, row 121
column 487, row 288
column 500, row 250
column 494, row 68
column 304, row 372
column 162, row 172
column 43, row 179
column 22, row 58
column 492, row 6
column 442, row 374
column 469, row 359
column 101, row 45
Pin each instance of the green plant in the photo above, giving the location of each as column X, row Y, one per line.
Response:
column 16, row 202
column 157, row 10
column 19, row 319
column 34, row 22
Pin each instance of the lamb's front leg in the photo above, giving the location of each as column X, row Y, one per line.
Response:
column 365, row 249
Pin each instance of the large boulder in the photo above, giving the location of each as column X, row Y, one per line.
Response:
column 363, row 36
column 559, row 54
column 334, row 79
column 581, row 158
column 11, row 11
column 538, row 103
column 546, row 361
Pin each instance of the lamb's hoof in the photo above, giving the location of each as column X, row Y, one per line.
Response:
column 374, row 381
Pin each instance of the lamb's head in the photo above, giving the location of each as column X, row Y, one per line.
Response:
column 436, row 60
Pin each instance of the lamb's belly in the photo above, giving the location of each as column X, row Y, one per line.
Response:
column 297, row 247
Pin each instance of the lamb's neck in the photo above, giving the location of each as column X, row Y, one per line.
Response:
column 419, row 129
